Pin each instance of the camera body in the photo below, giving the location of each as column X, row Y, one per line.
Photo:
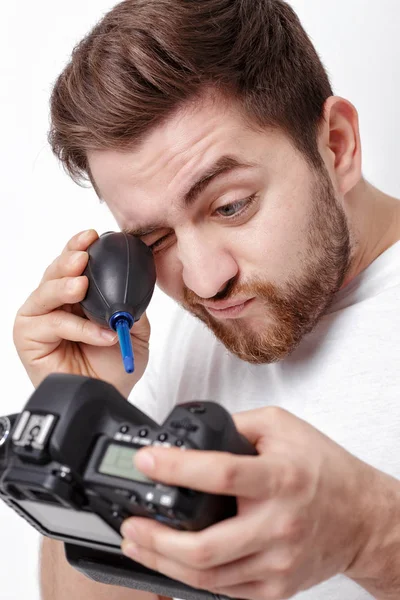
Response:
column 66, row 466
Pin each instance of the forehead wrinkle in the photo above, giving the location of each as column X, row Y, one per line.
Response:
column 205, row 151
column 171, row 154
column 168, row 160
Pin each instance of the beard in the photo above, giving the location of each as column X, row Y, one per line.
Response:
column 293, row 310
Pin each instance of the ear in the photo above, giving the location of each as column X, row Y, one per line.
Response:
column 340, row 144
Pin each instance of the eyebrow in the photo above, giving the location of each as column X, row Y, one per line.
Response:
column 223, row 166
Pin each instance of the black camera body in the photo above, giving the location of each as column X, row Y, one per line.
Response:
column 66, row 466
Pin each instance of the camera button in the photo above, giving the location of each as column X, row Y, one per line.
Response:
column 166, row 500
column 197, row 409
column 34, row 432
column 123, row 493
column 115, row 511
column 185, row 424
column 63, row 473
column 169, row 513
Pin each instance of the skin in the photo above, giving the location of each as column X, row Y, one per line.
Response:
column 280, row 540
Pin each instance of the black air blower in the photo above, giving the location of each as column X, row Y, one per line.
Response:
column 122, row 278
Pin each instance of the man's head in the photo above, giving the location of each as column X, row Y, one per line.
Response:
column 210, row 130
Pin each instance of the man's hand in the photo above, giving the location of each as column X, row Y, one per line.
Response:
column 304, row 512
column 52, row 335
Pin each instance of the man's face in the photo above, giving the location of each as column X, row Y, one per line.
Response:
column 245, row 234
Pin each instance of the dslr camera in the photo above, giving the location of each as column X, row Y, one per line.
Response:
column 66, row 466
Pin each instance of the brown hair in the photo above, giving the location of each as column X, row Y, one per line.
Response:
column 146, row 58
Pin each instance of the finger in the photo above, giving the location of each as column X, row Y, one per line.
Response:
column 60, row 325
column 252, row 424
column 217, row 545
column 141, row 330
column 170, row 568
column 68, row 264
column 263, row 566
column 269, row 588
column 272, row 585
column 259, row 425
column 71, row 261
column 213, row 472
column 277, row 561
column 82, row 240
column 54, row 294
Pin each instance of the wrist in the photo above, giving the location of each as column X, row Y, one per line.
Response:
column 376, row 564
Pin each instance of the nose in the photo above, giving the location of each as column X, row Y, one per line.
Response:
column 207, row 266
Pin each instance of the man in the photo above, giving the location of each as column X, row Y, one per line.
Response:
column 211, row 131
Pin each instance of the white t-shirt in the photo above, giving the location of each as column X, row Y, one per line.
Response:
column 344, row 378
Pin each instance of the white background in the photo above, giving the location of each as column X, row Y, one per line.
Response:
column 41, row 208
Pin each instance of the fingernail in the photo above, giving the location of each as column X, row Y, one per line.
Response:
column 128, row 530
column 85, row 234
column 145, row 461
column 131, row 550
column 72, row 284
column 108, row 335
column 76, row 256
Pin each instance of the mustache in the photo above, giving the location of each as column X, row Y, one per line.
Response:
column 231, row 289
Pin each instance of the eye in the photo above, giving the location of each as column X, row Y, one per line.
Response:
column 160, row 242
column 236, row 209
column 228, row 212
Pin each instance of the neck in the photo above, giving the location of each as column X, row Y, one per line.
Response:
column 374, row 220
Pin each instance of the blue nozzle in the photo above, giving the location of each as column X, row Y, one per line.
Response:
column 122, row 322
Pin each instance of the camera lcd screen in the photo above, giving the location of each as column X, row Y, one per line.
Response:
column 118, row 461
column 59, row 520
